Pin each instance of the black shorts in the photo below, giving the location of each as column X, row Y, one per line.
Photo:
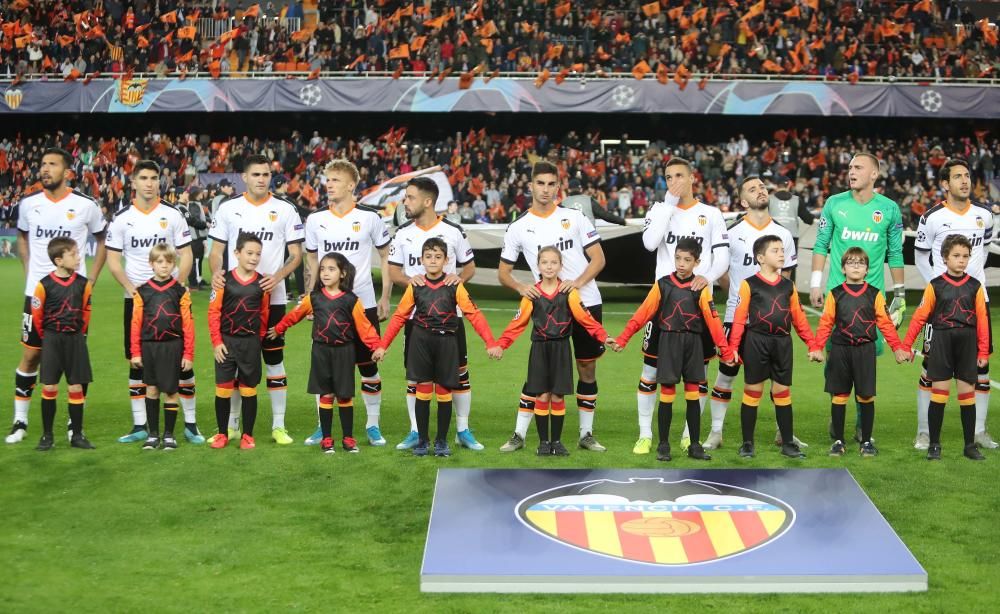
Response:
column 242, row 362
column 161, row 364
column 432, row 357
column 362, row 353
column 65, row 355
column 550, row 367
column 127, row 325
column 954, row 355
column 463, row 348
column 680, row 358
column 586, row 347
column 929, row 332
column 29, row 336
column 332, row 370
column 273, row 317
column 851, row 366
column 767, row 357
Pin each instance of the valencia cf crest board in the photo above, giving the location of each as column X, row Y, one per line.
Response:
column 645, row 531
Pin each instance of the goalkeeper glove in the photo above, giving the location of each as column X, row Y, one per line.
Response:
column 897, row 308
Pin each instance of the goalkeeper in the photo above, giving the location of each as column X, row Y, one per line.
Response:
column 861, row 218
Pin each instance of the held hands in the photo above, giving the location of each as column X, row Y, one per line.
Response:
column 186, row 365
column 611, row 343
column 221, row 351
column 903, row 355
column 378, row 354
column 495, row 352
column 817, row 356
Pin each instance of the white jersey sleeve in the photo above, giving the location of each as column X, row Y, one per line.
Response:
column 310, row 232
column 378, row 232
column 96, row 223
column 181, row 231
column 788, row 242
column 219, row 231
column 115, row 237
column 463, row 249
column 512, row 243
column 294, row 228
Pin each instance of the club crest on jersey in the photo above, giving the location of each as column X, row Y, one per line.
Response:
column 70, row 214
column 702, row 220
column 163, row 223
column 565, row 223
column 979, row 222
column 356, row 226
column 876, row 216
column 652, row 520
column 272, row 215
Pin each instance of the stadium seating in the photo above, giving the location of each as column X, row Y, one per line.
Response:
column 824, row 39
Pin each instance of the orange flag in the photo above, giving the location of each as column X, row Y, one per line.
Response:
column 142, row 42
column 462, row 39
column 652, row 9
column 487, row 30
column 554, row 52
column 542, row 78
column 187, row 32
column 689, row 40
column 901, row 12
column 682, row 76
column 47, row 63
column 719, row 16
column 675, row 13
column 215, row 69
column 301, row 36
column 924, row 6
column 73, row 75
column 406, row 11
column 170, row 17
column 755, row 9
column 228, row 36
column 699, row 15
column 435, row 24
column 813, row 4
column 771, row 66
column 661, row 73
column 640, row 70
column 793, row 12
column 465, row 80
column 22, row 41
column 252, row 11
column 399, row 53
column 418, row 43
column 487, row 44
column 562, row 10
column 850, row 51
column 186, row 57
column 813, row 24
column 357, row 60
column 143, row 28
column 989, row 32
column 725, row 49
column 65, row 41
column 562, row 76
column 193, row 17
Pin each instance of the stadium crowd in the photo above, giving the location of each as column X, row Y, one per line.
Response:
column 490, row 172
column 823, row 38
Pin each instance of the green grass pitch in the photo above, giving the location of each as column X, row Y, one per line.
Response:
column 292, row 529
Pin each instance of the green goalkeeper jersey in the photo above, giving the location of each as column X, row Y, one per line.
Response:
column 876, row 227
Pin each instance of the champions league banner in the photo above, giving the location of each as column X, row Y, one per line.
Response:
column 383, row 94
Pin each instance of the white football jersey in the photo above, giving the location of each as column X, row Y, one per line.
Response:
column 42, row 219
column 703, row 222
column 406, row 246
column 940, row 221
column 354, row 234
column 742, row 264
column 134, row 233
column 274, row 221
column 568, row 230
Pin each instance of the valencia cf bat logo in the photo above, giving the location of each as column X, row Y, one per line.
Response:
column 876, row 216
column 163, row 223
column 702, row 220
column 272, row 215
column 356, row 226
column 651, row 520
column 565, row 223
column 70, row 214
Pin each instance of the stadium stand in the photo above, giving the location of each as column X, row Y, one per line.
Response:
column 818, row 39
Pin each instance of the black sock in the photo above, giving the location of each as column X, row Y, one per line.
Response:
column 748, row 421
column 556, row 425
column 48, row 415
column 838, row 415
column 935, row 418
column 542, row 424
column 867, row 421
column 169, row 417
column 694, row 420
column 326, row 421
column 191, row 426
column 76, row 418
column 153, row 416
column 444, row 420
column 222, row 414
column 968, row 415
column 346, row 413
column 664, row 414
column 784, row 415
column 422, row 409
column 249, row 414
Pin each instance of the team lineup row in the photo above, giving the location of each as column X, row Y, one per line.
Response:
column 352, row 232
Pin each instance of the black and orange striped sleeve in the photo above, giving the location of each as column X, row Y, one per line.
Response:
column 982, row 325
column 294, row 316
column 583, row 316
column 642, row 315
column 87, row 292
column 884, row 323
column 520, row 322
column 827, row 319
column 800, row 321
column 187, row 325
column 398, row 320
column 920, row 316
column 712, row 322
column 474, row 316
column 366, row 332
column 38, row 309
column 740, row 315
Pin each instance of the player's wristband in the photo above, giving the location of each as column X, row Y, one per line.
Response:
column 899, row 291
column 816, row 280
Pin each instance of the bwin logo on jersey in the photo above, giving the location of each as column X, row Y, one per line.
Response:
column 47, row 233
column 148, row 241
column 341, row 246
column 748, row 260
column 413, row 260
column 859, row 235
column 877, row 216
column 672, row 238
column 561, row 244
column 262, row 234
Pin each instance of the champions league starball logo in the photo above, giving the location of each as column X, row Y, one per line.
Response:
column 310, row 95
column 931, row 101
column 651, row 520
column 623, row 96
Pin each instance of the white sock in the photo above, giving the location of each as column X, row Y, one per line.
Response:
column 923, row 403
column 463, row 407
column 411, row 405
column 373, row 400
column 138, row 404
column 279, row 395
column 722, row 382
column 235, row 408
column 523, row 422
column 586, row 423
column 188, row 403
column 646, row 401
column 982, row 402
column 22, row 402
